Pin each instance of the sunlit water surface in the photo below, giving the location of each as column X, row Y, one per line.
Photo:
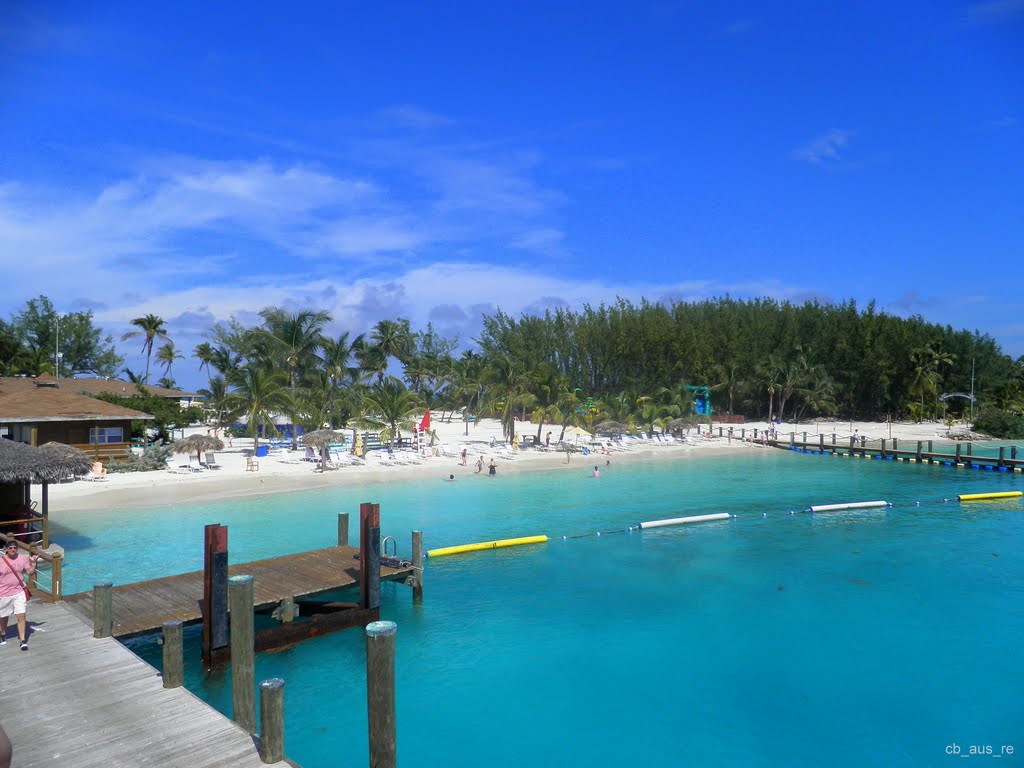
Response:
column 842, row 639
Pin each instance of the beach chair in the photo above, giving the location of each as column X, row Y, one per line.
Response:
column 194, row 465
column 251, row 465
column 174, row 469
column 211, row 461
column 311, row 455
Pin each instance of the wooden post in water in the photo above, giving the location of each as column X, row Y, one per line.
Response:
column 895, row 444
column 369, row 556
column 743, row 433
column 243, row 658
column 805, row 439
column 930, row 447
column 417, row 564
column 919, row 444
column 821, row 442
column 1002, row 457
column 56, row 565
column 380, row 693
column 215, row 590
column 272, row 720
column 174, row 655
column 883, row 448
column 103, row 610
column 792, row 438
column 833, row 438
column 343, row 529
column 958, row 447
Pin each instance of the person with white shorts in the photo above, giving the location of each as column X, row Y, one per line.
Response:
column 12, row 590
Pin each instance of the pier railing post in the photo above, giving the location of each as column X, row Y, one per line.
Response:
column 272, row 720
column 56, row 583
column 882, row 450
column 174, row 655
column 1002, row 457
column 343, row 529
column 380, row 693
column 920, row 445
column 958, row 448
column 821, row 442
column 243, row 661
column 417, row 564
column 103, row 610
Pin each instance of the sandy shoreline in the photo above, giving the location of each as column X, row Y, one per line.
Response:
column 284, row 472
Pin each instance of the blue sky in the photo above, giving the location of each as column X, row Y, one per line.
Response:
column 439, row 160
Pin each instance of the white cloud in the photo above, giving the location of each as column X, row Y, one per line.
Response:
column 825, row 148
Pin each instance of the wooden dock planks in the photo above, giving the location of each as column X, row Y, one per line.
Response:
column 74, row 700
column 144, row 606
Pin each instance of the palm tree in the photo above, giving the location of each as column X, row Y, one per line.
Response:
column 204, row 354
column 219, row 400
column 166, row 354
column 729, row 378
column 295, row 338
column 389, row 338
column 389, row 407
column 151, row 328
column 258, row 394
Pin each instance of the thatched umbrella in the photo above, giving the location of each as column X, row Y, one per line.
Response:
column 321, row 439
column 678, row 425
column 197, row 444
column 69, row 460
column 611, row 428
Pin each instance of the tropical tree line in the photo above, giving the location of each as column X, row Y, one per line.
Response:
column 633, row 364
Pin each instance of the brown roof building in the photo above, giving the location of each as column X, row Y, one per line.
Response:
column 35, row 412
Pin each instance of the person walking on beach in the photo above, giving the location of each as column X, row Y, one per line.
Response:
column 12, row 590
column 463, row 462
column 492, row 469
column 547, row 440
column 480, row 465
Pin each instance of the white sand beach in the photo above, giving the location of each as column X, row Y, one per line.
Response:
column 284, row 471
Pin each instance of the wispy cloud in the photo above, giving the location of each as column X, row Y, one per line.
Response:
column 828, row 147
column 1004, row 122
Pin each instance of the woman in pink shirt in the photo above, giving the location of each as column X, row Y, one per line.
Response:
column 12, row 590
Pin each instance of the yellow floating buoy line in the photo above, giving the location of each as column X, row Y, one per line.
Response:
column 817, row 508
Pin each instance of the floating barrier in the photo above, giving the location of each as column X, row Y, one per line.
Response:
column 850, row 505
column 685, row 520
column 980, row 496
column 486, row 545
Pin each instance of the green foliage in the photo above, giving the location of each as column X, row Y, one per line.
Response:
column 153, row 458
column 1001, row 424
column 28, row 344
column 167, row 413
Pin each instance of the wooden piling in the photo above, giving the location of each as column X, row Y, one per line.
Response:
column 380, row 693
column 174, row 655
column 369, row 556
column 343, row 529
column 958, row 448
column 417, row 564
column 1002, row 456
column 883, row 448
column 272, row 720
column 103, row 610
column 919, row 448
column 821, row 442
column 215, row 590
column 243, row 659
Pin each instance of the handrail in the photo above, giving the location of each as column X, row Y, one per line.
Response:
column 56, row 561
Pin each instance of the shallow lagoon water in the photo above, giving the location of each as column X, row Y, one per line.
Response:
column 840, row 639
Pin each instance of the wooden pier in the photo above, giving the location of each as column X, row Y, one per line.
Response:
column 143, row 607
column 918, row 451
column 76, row 700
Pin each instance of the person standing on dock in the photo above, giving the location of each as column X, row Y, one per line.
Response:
column 12, row 590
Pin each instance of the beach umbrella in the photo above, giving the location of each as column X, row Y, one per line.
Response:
column 321, row 439
column 577, row 432
column 66, row 459
column 198, row 443
column 611, row 428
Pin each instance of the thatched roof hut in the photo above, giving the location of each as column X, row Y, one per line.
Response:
column 20, row 463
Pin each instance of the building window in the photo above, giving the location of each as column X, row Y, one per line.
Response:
column 106, row 435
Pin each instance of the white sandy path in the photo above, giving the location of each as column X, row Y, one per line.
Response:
column 279, row 473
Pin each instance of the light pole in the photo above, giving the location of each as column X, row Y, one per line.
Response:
column 56, row 352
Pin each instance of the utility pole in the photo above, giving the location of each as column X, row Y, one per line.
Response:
column 972, row 393
column 56, row 351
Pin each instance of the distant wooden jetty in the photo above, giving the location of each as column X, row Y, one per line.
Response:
column 919, row 451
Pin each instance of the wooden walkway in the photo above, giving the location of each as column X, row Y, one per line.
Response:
column 74, row 700
column 920, row 452
column 144, row 606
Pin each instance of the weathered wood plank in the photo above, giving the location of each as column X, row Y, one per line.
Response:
column 76, row 700
column 144, row 606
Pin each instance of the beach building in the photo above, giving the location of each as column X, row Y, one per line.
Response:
column 44, row 410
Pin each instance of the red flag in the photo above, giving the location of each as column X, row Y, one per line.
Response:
column 425, row 423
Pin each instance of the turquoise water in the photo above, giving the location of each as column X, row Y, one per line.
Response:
column 841, row 639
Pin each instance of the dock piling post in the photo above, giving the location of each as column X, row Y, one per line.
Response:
column 174, row 655
column 417, row 564
column 380, row 692
column 343, row 529
column 821, row 442
column 1002, row 456
column 103, row 610
column 369, row 555
column 833, row 438
column 56, row 581
column 882, row 452
column 243, row 659
column 919, row 448
column 958, row 449
column 272, row 720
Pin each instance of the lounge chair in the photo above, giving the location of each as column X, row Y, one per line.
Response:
column 194, row 465
column 311, row 455
column 172, row 466
column 211, row 460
